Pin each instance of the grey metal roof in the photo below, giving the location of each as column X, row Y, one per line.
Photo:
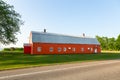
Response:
column 58, row 38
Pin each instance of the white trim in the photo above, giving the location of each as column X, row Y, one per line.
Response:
column 27, row 44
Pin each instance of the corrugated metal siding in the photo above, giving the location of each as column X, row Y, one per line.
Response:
column 56, row 38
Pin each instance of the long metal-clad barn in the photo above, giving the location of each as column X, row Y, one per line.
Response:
column 51, row 43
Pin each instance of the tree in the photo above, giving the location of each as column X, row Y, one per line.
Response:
column 10, row 22
column 103, row 41
column 118, row 43
column 111, row 43
column 107, row 43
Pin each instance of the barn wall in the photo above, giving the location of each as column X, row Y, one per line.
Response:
column 54, row 48
column 27, row 49
column 30, row 38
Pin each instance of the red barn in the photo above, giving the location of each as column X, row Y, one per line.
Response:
column 51, row 43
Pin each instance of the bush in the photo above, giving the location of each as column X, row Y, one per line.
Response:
column 6, row 49
column 13, row 49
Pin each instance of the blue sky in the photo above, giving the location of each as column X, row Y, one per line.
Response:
column 73, row 17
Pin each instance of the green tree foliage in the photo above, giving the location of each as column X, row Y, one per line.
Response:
column 118, row 43
column 103, row 41
column 9, row 23
column 109, row 43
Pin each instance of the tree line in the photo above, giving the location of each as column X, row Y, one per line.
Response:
column 109, row 43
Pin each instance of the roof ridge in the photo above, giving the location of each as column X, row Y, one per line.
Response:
column 61, row 34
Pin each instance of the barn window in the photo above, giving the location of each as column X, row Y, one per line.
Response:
column 59, row 49
column 69, row 48
column 39, row 49
column 89, row 48
column 74, row 49
column 82, row 49
column 51, row 49
column 64, row 49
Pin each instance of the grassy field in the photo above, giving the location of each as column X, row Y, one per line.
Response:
column 12, row 60
column 110, row 51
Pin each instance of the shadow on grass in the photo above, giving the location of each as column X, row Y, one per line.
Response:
column 25, row 59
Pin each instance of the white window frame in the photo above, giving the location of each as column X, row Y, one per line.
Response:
column 82, row 49
column 69, row 48
column 59, row 49
column 73, row 49
column 51, row 49
column 39, row 49
column 89, row 48
column 64, row 49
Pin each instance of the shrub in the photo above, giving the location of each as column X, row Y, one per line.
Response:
column 6, row 49
column 13, row 49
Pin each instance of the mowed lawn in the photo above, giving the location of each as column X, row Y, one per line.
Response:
column 14, row 60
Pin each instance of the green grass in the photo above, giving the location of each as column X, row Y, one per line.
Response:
column 11, row 60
